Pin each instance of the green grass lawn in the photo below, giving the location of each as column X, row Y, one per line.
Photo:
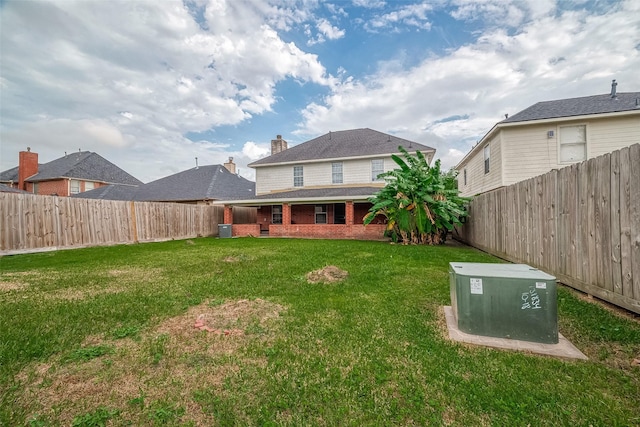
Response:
column 106, row 336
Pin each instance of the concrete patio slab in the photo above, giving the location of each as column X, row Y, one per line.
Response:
column 563, row 349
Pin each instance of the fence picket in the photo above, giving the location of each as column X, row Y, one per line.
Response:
column 581, row 223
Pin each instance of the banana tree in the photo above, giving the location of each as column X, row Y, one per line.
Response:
column 421, row 204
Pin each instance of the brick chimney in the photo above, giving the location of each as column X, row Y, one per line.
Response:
column 27, row 166
column 278, row 145
column 231, row 167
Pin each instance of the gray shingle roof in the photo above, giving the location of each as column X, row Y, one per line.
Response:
column 84, row 165
column 213, row 182
column 110, row 192
column 10, row 175
column 596, row 104
column 7, row 189
column 81, row 165
column 343, row 144
column 337, row 192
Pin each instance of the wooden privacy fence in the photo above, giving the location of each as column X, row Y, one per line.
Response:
column 580, row 223
column 29, row 223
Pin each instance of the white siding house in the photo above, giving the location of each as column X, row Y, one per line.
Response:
column 321, row 188
column 316, row 163
column 550, row 135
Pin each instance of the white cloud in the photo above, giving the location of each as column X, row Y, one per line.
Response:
column 255, row 151
column 502, row 12
column 414, row 15
column 138, row 76
column 552, row 57
column 369, row 4
column 331, row 32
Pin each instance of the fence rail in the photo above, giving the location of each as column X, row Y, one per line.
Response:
column 30, row 223
column 580, row 223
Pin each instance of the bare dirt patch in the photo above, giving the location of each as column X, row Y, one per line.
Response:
column 168, row 363
column 328, row 274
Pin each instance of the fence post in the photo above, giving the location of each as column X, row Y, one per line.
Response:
column 133, row 222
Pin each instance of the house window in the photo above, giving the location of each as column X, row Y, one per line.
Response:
column 88, row 186
column 74, row 186
column 321, row 214
column 298, row 178
column 464, row 174
column 573, row 143
column 35, row 188
column 377, row 168
column 276, row 214
column 336, row 173
column 487, row 158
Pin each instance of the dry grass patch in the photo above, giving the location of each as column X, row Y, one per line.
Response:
column 21, row 280
column 168, row 363
column 328, row 274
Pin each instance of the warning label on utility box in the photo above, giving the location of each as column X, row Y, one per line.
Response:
column 476, row 286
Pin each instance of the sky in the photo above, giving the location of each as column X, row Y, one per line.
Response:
column 151, row 85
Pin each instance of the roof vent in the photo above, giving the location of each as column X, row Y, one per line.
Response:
column 613, row 89
column 196, row 163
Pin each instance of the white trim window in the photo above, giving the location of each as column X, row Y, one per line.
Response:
column 298, row 176
column 573, row 143
column 88, row 185
column 336, row 173
column 377, row 168
column 487, row 159
column 74, row 186
column 321, row 214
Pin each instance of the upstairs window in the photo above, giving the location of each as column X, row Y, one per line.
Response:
column 487, row 158
column 573, row 143
column 336, row 173
column 377, row 168
column 298, row 177
column 74, row 186
column 464, row 174
column 88, row 186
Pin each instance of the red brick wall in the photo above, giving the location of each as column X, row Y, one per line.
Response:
column 48, row 188
column 245, row 230
column 306, row 214
column 27, row 166
column 329, row 231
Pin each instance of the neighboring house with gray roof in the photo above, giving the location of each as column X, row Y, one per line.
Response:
column 7, row 189
column 71, row 174
column 200, row 185
column 550, row 135
column 320, row 188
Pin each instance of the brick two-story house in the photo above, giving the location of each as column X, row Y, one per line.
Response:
column 320, row 188
column 71, row 174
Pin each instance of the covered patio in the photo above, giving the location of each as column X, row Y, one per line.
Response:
column 334, row 213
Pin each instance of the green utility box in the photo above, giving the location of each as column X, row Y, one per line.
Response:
column 512, row 301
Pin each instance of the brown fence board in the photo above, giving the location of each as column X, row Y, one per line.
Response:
column 30, row 223
column 634, row 190
column 581, row 223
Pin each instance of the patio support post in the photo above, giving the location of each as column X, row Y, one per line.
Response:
column 349, row 212
column 228, row 214
column 286, row 214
